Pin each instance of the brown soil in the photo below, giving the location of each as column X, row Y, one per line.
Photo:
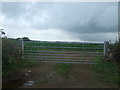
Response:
column 80, row 76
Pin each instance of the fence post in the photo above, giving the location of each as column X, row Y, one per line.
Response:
column 0, row 62
column 62, row 48
column 106, row 43
column 22, row 45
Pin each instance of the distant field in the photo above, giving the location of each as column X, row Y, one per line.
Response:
column 63, row 46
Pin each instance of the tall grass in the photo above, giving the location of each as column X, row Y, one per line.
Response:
column 9, row 54
column 107, row 71
column 11, row 57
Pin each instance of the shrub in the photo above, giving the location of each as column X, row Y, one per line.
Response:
column 106, row 71
column 116, row 52
column 26, row 39
column 9, row 53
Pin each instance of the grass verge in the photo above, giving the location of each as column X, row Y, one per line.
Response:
column 18, row 66
column 63, row 68
column 107, row 71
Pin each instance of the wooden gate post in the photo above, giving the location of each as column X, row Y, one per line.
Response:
column 106, row 43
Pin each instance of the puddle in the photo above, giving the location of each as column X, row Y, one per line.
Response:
column 17, row 83
column 13, row 83
column 28, row 83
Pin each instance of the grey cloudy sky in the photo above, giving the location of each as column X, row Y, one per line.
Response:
column 58, row 21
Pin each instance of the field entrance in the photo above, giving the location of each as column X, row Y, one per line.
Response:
column 63, row 52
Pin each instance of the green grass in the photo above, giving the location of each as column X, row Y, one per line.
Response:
column 27, row 64
column 30, row 46
column 63, row 68
column 18, row 66
column 106, row 71
column 62, row 44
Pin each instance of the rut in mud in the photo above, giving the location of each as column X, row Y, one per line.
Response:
column 79, row 76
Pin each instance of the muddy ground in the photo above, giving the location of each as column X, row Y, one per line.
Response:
column 45, row 76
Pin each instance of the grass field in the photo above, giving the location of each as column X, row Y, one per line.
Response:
column 63, row 46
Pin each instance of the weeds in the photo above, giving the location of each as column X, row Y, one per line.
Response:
column 12, row 58
column 107, row 71
column 18, row 66
column 63, row 68
column 116, row 52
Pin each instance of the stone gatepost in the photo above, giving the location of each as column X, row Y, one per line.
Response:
column 106, row 43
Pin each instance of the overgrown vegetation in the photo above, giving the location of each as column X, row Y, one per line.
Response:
column 12, row 57
column 116, row 52
column 107, row 71
column 63, row 68
column 9, row 54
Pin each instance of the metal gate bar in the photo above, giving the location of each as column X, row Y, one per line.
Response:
column 42, row 53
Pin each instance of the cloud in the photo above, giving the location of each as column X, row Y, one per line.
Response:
column 76, row 21
column 97, row 37
column 44, row 35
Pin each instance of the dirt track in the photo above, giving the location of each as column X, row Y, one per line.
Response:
column 80, row 76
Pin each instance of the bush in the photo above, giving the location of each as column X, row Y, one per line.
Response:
column 26, row 39
column 10, row 54
column 116, row 52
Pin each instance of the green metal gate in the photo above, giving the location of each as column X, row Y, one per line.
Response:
column 63, row 52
